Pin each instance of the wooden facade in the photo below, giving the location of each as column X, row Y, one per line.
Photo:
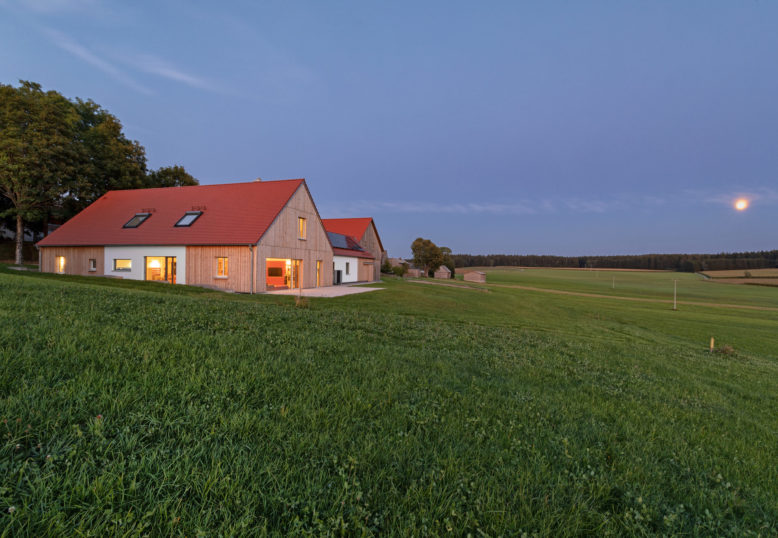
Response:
column 281, row 241
column 442, row 272
column 474, row 276
column 371, row 243
column 202, row 266
column 76, row 260
column 366, row 272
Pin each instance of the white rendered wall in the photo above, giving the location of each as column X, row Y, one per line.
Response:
column 137, row 254
column 340, row 265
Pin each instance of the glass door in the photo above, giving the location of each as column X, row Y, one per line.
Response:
column 161, row 268
column 296, row 275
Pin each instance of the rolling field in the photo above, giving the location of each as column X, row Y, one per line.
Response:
column 132, row 408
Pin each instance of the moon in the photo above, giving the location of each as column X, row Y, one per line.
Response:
column 741, row 204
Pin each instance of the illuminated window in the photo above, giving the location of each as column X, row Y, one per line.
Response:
column 60, row 264
column 222, row 267
column 347, row 268
column 188, row 218
column 122, row 265
column 318, row 273
column 92, row 264
column 300, row 228
column 137, row 220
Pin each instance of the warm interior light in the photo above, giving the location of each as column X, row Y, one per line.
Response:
column 154, row 264
column 741, row 204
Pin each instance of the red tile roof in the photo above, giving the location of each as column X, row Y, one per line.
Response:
column 233, row 214
column 351, row 227
column 352, row 253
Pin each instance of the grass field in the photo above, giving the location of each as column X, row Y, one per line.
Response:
column 133, row 408
column 741, row 273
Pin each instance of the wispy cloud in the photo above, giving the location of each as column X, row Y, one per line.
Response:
column 79, row 51
column 516, row 207
column 763, row 195
column 154, row 65
column 52, row 6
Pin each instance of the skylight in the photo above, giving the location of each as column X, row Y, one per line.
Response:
column 137, row 220
column 188, row 218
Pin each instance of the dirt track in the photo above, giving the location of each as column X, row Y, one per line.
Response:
column 601, row 296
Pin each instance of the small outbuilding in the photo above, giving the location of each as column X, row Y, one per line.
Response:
column 442, row 272
column 474, row 276
column 413, row 272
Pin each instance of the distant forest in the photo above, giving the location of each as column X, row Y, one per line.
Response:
column 674, row 262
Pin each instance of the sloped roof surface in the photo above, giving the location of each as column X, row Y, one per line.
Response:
column 352, row 253
column 351, row 227
column 232, row 214
column 343, row 245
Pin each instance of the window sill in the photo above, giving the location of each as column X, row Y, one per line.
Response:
column 221, row 277
column 301, row 239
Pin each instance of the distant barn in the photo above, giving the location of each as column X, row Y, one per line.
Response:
column 475, row 276
column 443, row 272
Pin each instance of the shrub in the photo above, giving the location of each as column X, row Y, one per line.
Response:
column 400, row 270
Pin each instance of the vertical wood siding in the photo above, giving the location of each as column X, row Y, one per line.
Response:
column 281, row 241
column 370, row 243
column 201, row 267
column 76, row 260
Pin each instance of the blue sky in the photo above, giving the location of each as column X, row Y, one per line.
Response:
column 489, row 127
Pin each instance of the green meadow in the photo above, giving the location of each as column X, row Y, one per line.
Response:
column 134, row 408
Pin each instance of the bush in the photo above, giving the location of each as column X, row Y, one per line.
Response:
column 400, row 270
column 386, row 267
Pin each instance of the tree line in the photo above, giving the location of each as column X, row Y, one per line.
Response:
column 672, row 262
column 59, row 155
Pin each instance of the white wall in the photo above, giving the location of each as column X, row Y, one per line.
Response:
column 137, row 254
column 340, row 265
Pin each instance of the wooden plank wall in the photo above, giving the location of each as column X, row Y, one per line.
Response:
column 366, row 270
column 281, row 241
column 201, row 267
column 76, row 260
column 370, row 243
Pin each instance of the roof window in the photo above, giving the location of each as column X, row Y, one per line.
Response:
column 188, row 218
column 137, row 220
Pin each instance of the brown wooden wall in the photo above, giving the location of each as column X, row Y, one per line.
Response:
column 201, row 267
column 371, row 243
column 76, row 260
column 281, row 241
column 366, row 271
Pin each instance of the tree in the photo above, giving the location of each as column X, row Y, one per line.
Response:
column 447, row 260
column 170, row 176
column 426, row 255
column 37, row 152
column 108, row 160
column 58, row 156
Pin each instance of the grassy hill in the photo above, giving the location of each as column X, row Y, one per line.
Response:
column 142, row 408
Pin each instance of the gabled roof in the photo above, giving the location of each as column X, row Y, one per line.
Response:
column 353, row 227
column 343, row 245
column 232, row 214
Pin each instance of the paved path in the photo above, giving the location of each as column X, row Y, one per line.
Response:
column 326, row 291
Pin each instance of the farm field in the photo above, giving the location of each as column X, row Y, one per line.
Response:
column 641, row 284
column 142, row 408
column 741, row 273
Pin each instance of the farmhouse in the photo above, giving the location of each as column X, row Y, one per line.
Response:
column 247, row 237
column 350, row 262
column 474, row 276
column 442, row 272
column 364, row 233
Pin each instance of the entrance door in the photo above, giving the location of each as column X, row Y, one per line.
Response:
column 161, row 268
column 296, row 274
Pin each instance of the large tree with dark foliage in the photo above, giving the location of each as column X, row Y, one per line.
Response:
column 38, row 152
column 57, row 156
